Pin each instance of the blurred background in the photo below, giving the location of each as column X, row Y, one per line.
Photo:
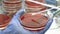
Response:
column 55, row 26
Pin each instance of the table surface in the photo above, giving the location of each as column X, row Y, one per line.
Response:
column 54, row 29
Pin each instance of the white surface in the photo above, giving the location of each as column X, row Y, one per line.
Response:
column 53, row 29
